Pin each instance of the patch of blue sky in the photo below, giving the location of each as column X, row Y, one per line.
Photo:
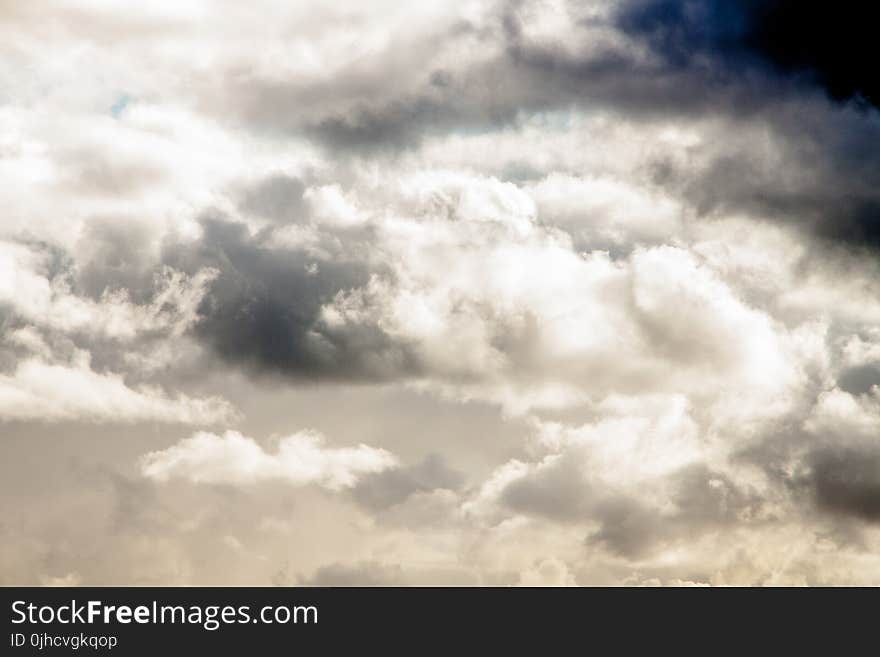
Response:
column 120, row 105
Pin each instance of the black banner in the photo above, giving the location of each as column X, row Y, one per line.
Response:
column 133, row 621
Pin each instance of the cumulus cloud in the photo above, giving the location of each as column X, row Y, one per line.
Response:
column 54, row 392
column 232, row 458
column 38, row 290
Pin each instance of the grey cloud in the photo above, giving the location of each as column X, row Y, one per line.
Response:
column 278, row 198
column 114, row 253
column 836, row 476
column 368, row 109
column 859, row 379
column 375, row 573
column 787, row 39
column 829, row 145
column 704, row 500
column 560, row 492
column 406, row 122
column 262, row 311
column 846, row 481
column 385, row 489
column 776, row 59
column 627, row 527
column 380, row 103
column 815, row 169
column 825, row 183
column 705, row 496
column 368, row 573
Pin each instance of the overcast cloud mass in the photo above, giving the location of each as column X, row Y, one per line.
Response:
column 484, row 292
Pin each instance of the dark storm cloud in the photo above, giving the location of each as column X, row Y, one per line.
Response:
column 775, row 53
column 523, row 80
column 750, row 62
column 859, row 379
column 846, row 481
column 833, row 474
column 815, row 167
column 711, row 58
column 556, row 75
column 263, row 309
column 364, row 110
column 758, row 64
column 825, row 43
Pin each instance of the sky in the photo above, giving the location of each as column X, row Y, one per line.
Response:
column 521, row 292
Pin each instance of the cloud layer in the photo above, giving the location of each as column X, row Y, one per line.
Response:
column 451, row 293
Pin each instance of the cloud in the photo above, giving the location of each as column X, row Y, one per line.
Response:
column 395, row 485
column 232, row 458
column 846, row 481
column 545, row 326
column 38, row 287
column 443, row 75
column 547, row 572
column 773, row 60
column 860, row 379
column 263, row 308
column 841, row 415
column 378, row 573
column 791, row 38
column 594, row 284
column 363, row 574
column 632, row 485
column 279, row 198
column 54, row 392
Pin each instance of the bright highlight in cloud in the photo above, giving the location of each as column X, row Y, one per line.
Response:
column 231, row 458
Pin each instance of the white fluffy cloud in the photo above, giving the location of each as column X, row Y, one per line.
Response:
column 53, row 392
column 505, row 307
column 232, row 458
